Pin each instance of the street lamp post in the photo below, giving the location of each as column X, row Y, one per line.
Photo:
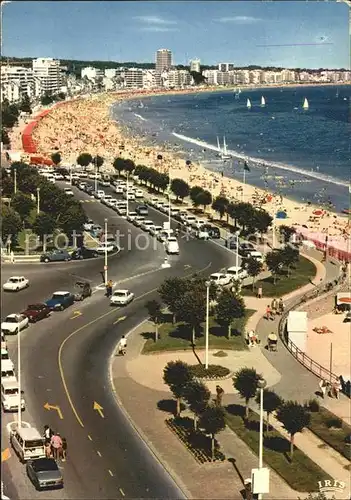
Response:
column 19, row 415
column 15, row 180
column 261, row 385
column 208, row 284
column 105, row 267
column 95, row 175
column 237, row 249
column 169, row 205
column 38, row 200
column 273, row 232
column 127, row 194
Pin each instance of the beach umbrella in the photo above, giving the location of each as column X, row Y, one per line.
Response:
column 318, row 212
column 188, row 163
column 159, row 157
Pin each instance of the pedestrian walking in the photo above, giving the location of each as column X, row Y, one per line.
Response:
column 109, row 288
column 268, row 312
column 259, row 292
column 323, row 385
column 281, row 306
column 64, row 449
column 48, row 432
column 56, row 445
column 274, row 306
column 48, row 451
column 219, row 396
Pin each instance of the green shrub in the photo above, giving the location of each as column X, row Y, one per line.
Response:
column 313, row 405
column 334, row 422
column 213, row 371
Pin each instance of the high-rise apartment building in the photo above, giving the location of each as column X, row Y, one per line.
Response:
column 134, row 78
column 225, row 66
column 48, row 71
column 195, row 65
column 163, row 60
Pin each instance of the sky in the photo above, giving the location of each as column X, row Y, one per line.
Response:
column 278, row 33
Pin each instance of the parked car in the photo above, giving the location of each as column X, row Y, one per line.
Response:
column 60, row 301
column 172, row 246
column 15, row 284
column 245, row 248
column 88, row 226
column 138, row 220
column 236, row 273
column 10, row 395
column 89, row 189
column 202, row 234
column 220, row 279
column 130, row 196
column 100, row 194
column 121, row 297
column 55, row 256
column 84, row 290
column 142, row 210
column 139, row 193
column 109, row 246
column 27, row 443
column 164, row 234
column 7, row 370
column 213, row 231
column 146, row 224
column 44, row 473
column 36, row 312
column 84, row 253
column 5, row 356
column 231, row 242
column 255, row 255
column 155, row 230
column 131, row 216
column 105, row 200
column 14, row 323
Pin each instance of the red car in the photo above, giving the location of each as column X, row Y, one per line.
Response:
column 36, row 312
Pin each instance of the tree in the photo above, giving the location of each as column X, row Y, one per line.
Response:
column 129, row 166
column 98, row 161
column 119, row 165
column 197, row 395
column 212, row 421
column 242, row 213
column 11, row 225
column 44, row 226
column 84, row 160
column 73, row 219
column 170, row 291
column 229, row 306
column 204, row 198
column 180, row 188
column 194, row 191
column 56, row 158
column 191, row 308
column 7, row 185
column 253, row 267
column 177, row 376
column 220, row 205
column 198, row 77
column 25, row 104
column 5, row 139
column 271, row 402
column 274, row 263
column 289, row 256
column 8, row 118
column 260, row 221
column 287, row 232
column 46, row 99
column 295, row 418
column 22, row 203
column 155, row 314
column 246, row 383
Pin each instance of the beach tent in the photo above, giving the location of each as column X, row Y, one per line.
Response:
column 281, row 215
column 297, row 328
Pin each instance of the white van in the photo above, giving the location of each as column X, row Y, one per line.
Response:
column 255, row 255
column 7, row 371
column 236, row 273
column 10, row 396
column 171, row 246
column 27, row 443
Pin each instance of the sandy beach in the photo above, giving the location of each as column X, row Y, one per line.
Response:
column 85, row 126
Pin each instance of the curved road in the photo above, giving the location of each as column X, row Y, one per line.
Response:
column 65, row 363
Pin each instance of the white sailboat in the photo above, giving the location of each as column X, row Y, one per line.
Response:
column 305, row 104
column 248, row 104
column 263, row 101
column 225, row 155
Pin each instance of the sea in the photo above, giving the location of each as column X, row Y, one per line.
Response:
column 304, row 154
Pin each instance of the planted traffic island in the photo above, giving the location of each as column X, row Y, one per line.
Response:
column 213, row 372
column 178, row 336
column 284, row 281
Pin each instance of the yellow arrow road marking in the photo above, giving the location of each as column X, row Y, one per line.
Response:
column 76, row 314
column 52, row 407
column 119, row 319
column 5, row 455
column 99, row 409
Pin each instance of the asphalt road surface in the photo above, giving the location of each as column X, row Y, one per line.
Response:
column 65, row 363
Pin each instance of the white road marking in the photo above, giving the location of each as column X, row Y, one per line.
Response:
column 110, row 472
column 98, row 453
column 122, row 492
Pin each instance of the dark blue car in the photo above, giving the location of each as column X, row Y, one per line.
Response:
column 60, row 301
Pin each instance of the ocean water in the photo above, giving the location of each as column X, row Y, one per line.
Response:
column 302, row 154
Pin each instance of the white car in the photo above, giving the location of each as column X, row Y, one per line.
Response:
column 131, row 216
column 88, row 226
column 130, row 196
column 139, row 193
column 165, row 234
column 189, row 220
column 138, row 220
column 146, row 224
column 220, row 279
column 14, row 323
column 255, row 255
column 6, row 358
column 153, row 201
column 7, row 370
column 121, row 297
column 236, row 273
column 155, row 230
column 202, row 234
column 106, row 199
column 58, row 176
column 100, row 194
column 171, row 246
column 15, row 284
column 109, row 246
column 68, row 192
column 10, row 395
column 119, row 189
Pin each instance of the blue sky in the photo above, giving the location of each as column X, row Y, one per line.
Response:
column 213, row 31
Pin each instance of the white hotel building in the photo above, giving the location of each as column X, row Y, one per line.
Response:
column 48, row 71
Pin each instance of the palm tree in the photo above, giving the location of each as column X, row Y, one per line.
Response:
column 197, row 396
column 246, row 383
column 212, row 421
column 295, row 418
column 271, row 401
column 177, row 376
